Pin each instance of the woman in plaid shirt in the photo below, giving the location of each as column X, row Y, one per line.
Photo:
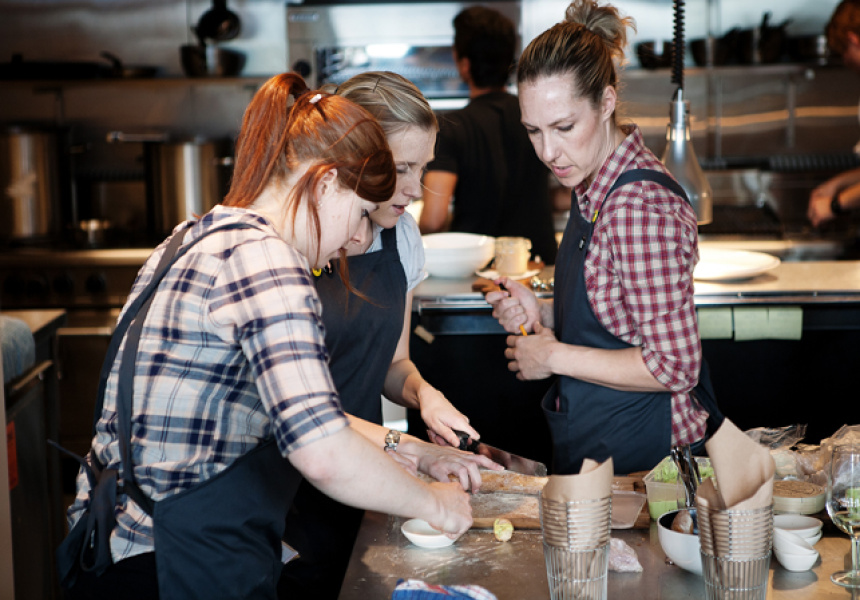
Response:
column 232, row 394
column 621, row 330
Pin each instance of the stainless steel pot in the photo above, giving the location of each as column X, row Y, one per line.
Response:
column 184, row 179
column 30, row 184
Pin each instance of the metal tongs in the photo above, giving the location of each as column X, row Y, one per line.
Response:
column 688, row 472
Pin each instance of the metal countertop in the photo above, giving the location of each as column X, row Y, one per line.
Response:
column 798, row 282
column 516, row 570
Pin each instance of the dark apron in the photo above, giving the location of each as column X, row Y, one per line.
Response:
column 361, row 336
column 222, row 537
column 594, row 421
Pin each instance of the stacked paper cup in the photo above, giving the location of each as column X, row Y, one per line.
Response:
column 735, row 549
column 576, row 546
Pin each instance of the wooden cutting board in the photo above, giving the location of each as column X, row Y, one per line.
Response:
column 520, row 509
column 512, row 496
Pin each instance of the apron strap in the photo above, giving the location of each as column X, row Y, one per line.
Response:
column 132, row 322
column 649, row 175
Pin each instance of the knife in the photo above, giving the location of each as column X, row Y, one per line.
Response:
column 511, row 462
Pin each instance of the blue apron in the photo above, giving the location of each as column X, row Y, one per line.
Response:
column 590, row 420
column 218, row 539
column 361, row 336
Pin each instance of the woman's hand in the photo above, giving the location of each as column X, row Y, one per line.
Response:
column 514, row 306
column 529, row 356
column 443, row 462
column 454, row 510
column 442, row 418
column 819, row 211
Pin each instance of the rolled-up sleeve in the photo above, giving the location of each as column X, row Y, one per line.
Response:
column 266, row 291
column 655, row 253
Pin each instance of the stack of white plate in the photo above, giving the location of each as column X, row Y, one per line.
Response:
column 793, row 539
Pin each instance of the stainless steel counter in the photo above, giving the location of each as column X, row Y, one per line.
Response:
column 808, row 281
column 516, row 570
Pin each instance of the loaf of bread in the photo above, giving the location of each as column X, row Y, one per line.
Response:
column 511, row 483
column 683, row 522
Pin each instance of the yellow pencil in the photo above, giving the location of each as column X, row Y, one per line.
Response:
column 523, row 330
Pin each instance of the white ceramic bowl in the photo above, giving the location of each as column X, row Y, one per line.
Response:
column 812, row 540
column 795, row 562
column 791, row 543
column 805, row 527
column 421, row 534
column 681, row 548
column 457, row 255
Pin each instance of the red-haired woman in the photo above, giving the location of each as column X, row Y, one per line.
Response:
column 232, row 400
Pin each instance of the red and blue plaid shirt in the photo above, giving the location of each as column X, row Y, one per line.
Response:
column 232, row 352
column 639, row 275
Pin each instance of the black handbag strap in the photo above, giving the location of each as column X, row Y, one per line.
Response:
column 132, row 323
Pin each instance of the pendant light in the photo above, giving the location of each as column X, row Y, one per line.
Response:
column 679, row 156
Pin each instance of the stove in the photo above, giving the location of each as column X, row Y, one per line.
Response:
column 91, row 286
column 68, row 279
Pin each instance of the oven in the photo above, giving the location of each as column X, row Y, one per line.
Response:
column 329, row 42
column 92, row 286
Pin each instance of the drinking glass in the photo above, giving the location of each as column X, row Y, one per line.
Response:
column 843, row 506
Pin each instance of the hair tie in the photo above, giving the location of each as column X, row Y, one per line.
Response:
column 315, row 99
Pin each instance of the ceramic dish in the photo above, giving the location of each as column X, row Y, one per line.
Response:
column 681, row 548
column 729, row 265
column 813, row 539
column 792, row 551
column 795, row 562
column 421, row 534
column 791, row 543
column 805, row 527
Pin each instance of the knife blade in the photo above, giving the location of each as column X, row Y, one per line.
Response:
column 512, row 462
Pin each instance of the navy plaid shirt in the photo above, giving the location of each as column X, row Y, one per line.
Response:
column 231, row 353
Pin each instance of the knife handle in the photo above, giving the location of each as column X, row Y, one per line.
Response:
column 467, row 444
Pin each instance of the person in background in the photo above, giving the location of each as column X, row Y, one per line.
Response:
column 840, row 194
column 386, row 262
column 233, row 399
column 620, row 332
column 484, row 163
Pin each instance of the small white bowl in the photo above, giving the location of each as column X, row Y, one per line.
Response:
column 456, row 254
column 802, row 525
column 791, row 543
column 681, row 548
column 421, row 534
column 812, row 540
column 795, row 562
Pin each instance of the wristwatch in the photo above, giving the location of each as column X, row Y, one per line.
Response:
column 835, row 207
column 392, row 438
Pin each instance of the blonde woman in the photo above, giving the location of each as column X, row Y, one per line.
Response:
column 367, row 334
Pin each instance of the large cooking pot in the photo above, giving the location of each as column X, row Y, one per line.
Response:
column 31, row 184
column 184, row 178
